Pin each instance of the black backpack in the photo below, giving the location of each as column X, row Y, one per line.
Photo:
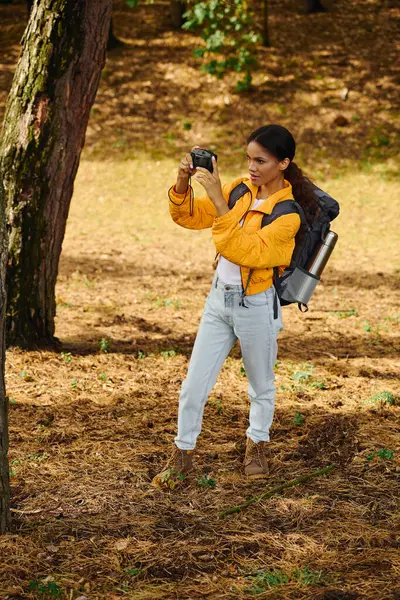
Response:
column 308, row 239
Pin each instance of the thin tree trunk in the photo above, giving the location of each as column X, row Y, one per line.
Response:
column 176, row 10
column 314, row 6
column 266, row 40
column 54, row 87
column 113, row 41
column 5, row 520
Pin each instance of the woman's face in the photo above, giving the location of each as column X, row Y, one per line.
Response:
column 263, row 166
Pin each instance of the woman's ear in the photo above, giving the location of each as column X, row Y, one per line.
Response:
column 284, row 164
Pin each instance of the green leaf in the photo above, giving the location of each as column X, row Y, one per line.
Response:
column 199, row 52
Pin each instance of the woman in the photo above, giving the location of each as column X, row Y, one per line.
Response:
column 242, row 297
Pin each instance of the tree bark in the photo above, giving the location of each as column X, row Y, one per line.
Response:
column 266, row 40
column 54, row 87
column 5, row 520
column 176, row 10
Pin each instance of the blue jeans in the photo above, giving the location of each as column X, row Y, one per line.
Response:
column 222, row 323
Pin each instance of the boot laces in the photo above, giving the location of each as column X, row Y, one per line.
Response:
column 255, row 452
column 176, row 459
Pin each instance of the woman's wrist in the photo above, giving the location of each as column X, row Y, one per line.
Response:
column 182, row 184
column 220, row 205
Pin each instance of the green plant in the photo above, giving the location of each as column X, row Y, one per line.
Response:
column 169, row 137
column 63, row 304
column 36, row 457
column 168, row 353
column 141, row 355
column 167, row 302
column 134, row 571
column 382, row 453
column 206, row 481
column 264, row 580
column 242, row 370
column 367, row 326
column 272, row 578
column 105, row 345
column 170, row 479
column 13, row 466
column 301, row 376
column 298, row 418
column 382, row 398
column 74, row 384
column 307, row 577
column 321, row 385
column 229, row 37
column 67, row 356
column 218, row 405
column 386, row 454
column 103, row 377
column 344, row 314
column 45, row 589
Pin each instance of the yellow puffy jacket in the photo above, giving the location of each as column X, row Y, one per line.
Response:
column 251, row 247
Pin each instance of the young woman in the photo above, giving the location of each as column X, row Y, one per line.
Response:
column 242, row 303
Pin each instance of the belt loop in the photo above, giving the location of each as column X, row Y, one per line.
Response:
column 216, row 281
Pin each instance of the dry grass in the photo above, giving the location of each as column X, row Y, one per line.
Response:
column 91, row 425
column 89, row 428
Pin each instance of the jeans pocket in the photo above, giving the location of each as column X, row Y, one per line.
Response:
column 260, row 299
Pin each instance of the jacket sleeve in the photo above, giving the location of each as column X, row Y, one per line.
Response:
column 190, row 212
column 195, row 213
column 271, row 246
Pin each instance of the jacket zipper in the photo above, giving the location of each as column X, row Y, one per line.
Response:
column 244, row 288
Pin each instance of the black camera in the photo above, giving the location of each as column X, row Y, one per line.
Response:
column 202, row 158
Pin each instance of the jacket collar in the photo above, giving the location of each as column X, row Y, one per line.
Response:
column 266, row 207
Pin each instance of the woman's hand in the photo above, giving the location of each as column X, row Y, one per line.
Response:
column 185, row 170
column 212, row 185
column 210, row 181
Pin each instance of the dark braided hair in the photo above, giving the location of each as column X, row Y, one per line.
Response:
column 279, row 141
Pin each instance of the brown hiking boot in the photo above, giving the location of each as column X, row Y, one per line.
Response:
column 255, row 461
column 179, row 465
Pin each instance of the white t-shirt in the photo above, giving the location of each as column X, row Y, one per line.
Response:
column 227, row 271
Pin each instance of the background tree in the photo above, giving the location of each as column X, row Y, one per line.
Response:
column 54, row 87
column 314, row 6
column 176, row 10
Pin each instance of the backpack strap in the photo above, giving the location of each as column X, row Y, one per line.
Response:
column 238, row 191
column 286, row 207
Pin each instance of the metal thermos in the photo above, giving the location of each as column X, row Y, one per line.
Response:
column 321, row 256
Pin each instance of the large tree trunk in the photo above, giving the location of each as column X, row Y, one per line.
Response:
column 54, row 87
column 4, row 469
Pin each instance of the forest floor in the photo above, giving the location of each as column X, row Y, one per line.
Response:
column 91, row 425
